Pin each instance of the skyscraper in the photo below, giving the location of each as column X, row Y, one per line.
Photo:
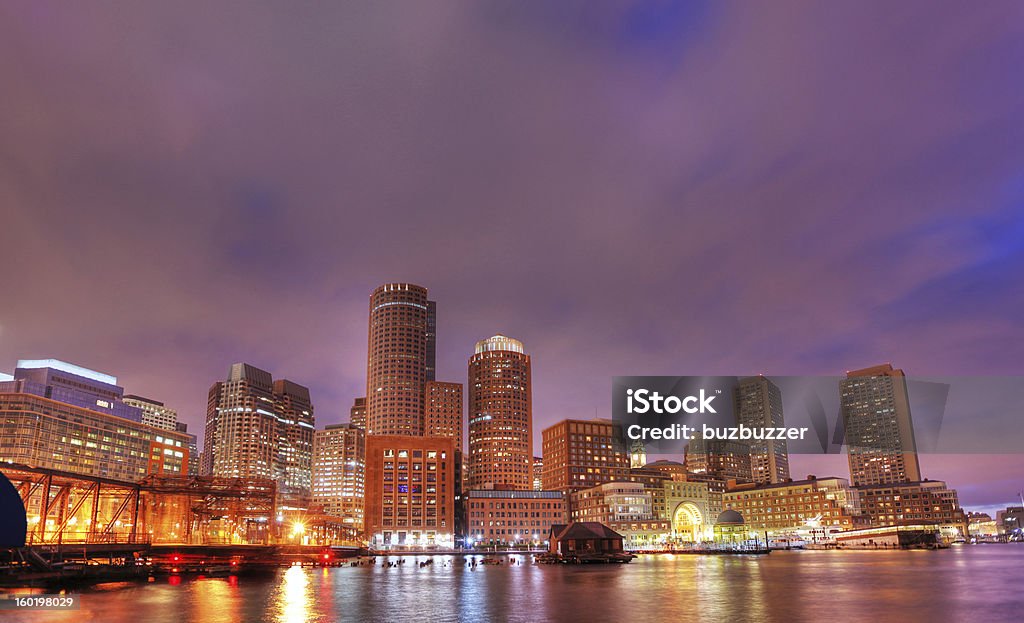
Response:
column 357, row 414
column 294, row 464
column 500, row 415
column 256, row 428
column 442, row 411
column 431, row 340
column 757, row 403
column 879, row 431
column 397, row 361
column 339, row 466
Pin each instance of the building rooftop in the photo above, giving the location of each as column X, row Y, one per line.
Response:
column 729, row 516
column 70, row 368
column 500, row 343
column 583, row 530
column 749, row 486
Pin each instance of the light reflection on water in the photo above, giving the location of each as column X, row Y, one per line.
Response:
column 966, row 583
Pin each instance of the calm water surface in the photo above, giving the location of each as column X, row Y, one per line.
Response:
column 969, row 583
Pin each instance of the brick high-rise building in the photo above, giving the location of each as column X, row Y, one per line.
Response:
column 397, row 359
column 256, row 428
column 879, row 431
column 500, row 416
column 757, row 403
column 442, row 411
column 411, row 488
column 339, row 467
column 579, row 454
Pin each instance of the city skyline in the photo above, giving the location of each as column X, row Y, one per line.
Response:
column 831, row 466
column 660, row 204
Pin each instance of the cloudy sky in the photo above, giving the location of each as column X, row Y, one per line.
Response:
column 628, row 187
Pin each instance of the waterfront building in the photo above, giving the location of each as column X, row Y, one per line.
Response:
column 259, row 428
column 339, row 466
column 652, row 515
column 500, row 415
column 154, row 412
column 583, row 539
column 875, row 408
column 612, row 502
column 757, row 403
column 1010, row 521
column 442, row 411
column 730, row 527
column 579, row 454
column 411, row 489
column 691, row 506
column 981, row 525
column 795, row 505
column 512, row 517
column 925, row 502
column 56, row 415
column 397, row 359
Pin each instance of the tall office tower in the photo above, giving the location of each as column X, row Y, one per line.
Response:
column 357, row 414
column 294, row 469
column 256, row 428
column 757, row 403
column 154, row 413
column 339, row 466
column 538, row 473
column 241, row 425
column 579, row 454
column 61, row 416
column 396, row 359
column 442, row 411
column 879, row 431
column 431, row 340
column 500, row 416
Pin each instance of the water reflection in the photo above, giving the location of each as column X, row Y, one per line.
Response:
column 970, row 583
column 294, row 596
column 211, row 599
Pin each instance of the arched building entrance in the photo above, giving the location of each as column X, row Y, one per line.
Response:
column 688, row 523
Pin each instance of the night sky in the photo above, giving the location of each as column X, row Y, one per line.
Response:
column 629, row 188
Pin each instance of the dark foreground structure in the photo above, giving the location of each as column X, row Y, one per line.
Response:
column 584, row 542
